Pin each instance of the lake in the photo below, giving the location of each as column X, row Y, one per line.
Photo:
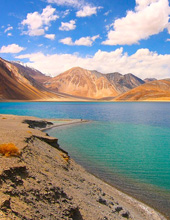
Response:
column 126, row 144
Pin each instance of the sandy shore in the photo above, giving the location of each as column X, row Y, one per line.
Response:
column 44, row 183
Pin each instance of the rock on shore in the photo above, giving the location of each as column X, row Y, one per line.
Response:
column 43, row 182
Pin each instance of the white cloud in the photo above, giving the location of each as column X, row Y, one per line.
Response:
column 143, row 63
column 12, row 48
column 107, row 13
column 83, row 41
column 50, row 36
column 168, row 27
column 65, row 13
column 67, row 26
column 168, row 39
column 9, row 34
column 36, row 32
column 67, row 41
column 141, row 4
column 150, row 17
column 87, row 11
column 37, row 23
column 8, row 29
column 74, row 3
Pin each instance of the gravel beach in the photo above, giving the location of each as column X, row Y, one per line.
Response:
column 43, row 182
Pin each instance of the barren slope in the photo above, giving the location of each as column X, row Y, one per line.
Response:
column 18, row 84
column 28, row 73
column 81, row 82
column 124, row 83
column 43, row 182
column 153, row 91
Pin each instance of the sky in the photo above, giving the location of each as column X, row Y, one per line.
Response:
column 126, row 36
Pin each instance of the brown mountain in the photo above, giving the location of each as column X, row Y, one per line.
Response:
column 158, row 90
column 29, row 73
column 92, row 84
column 124, row 83
column 81, row 82
column 17, row 83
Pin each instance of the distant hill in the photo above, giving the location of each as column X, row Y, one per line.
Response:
column 17, row 83
column 20, row 82
column 153, row 91
column 81, row 82
column 124, row 83
column 92, row 84
column 149, row 80
column 29, row 73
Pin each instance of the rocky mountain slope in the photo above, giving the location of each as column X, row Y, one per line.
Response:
column 22, row 83
column 81, row 82
column 31, row 73
column 92, row 84
column 124, row 83
column 158, row 90
column 14, row 85
column 19, row 82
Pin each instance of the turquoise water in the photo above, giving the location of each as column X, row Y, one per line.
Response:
column 137, row 151
column 134, row 158
column 127, row 144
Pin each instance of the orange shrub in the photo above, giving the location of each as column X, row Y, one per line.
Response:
column 9, row 150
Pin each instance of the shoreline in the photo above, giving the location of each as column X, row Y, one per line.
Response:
column 63, row 122
column 120, row 190
column 91, row 101
column 24, row 132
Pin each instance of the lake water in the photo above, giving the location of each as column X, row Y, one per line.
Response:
column 126, row 144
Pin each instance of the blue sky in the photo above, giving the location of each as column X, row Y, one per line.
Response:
column 109, row 36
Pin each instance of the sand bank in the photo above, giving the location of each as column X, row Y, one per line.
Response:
column 44, row 183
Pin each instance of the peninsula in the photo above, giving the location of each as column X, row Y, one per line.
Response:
column 40, row 181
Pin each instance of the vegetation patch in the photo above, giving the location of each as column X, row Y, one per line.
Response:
column 9, row 149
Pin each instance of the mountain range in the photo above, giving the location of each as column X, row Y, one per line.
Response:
column 20, row 82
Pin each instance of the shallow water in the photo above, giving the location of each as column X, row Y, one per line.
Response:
column 127, row 144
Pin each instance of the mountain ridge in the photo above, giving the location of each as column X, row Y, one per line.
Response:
column 91, row 83
column 158, row 90
column 20, row 82
column 16, row 83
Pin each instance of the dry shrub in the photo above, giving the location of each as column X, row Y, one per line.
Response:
column 9, row 149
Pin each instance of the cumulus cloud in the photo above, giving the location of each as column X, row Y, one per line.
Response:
column 67, row 26
column 168, row 28
column 38, row 23
column 150, row 17
column 83, row 41
column 12, row 48
column 50, row 36
column 87, row 11
column 143, row 63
